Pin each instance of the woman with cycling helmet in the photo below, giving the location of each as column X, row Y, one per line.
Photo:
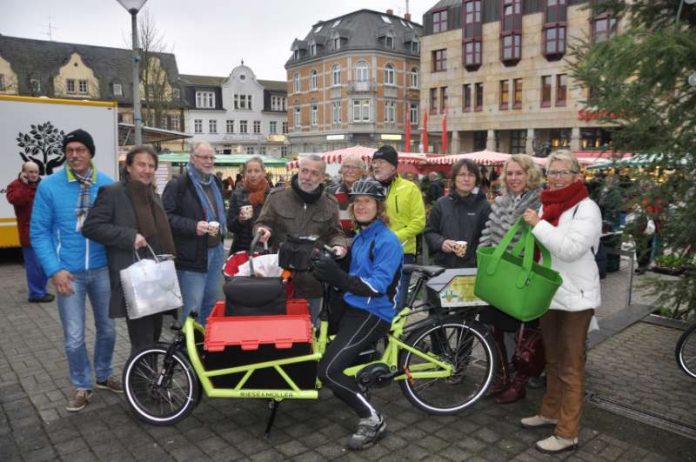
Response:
column 370, row 289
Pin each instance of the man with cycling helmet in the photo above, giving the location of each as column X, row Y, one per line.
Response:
column 370, row 287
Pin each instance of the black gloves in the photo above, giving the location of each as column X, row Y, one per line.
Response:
column 327, row 270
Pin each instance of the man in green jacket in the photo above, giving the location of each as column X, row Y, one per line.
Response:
column 405, row 208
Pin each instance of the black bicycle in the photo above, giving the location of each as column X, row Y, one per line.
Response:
column 685, row 352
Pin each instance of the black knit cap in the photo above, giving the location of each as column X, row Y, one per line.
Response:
column 80, row 136
column 387, row 153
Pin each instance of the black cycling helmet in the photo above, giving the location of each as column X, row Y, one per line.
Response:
column 368, row 187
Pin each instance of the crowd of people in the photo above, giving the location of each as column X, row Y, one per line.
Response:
column 80, row 229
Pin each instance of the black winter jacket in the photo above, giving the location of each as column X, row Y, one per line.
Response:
column 241, row 230
column 460, row 219
column 184, row 211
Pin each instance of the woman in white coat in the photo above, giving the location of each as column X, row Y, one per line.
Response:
column 569, row 227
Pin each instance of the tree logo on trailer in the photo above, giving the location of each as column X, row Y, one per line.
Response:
column 43, row 145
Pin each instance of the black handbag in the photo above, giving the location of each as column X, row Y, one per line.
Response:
column 296, row 253
column 254, row 296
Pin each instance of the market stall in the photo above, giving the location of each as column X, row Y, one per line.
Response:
column 485, row 157
column 409, row 162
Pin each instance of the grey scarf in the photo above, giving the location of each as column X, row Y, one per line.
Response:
column 504, row 211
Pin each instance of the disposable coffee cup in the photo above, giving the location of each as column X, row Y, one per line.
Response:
column 213, row 228
column 246, row 211
column 460, row 248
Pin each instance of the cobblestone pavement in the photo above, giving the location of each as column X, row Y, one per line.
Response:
column 34, row 425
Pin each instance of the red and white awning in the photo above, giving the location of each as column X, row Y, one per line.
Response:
column 595, row 157
column 337, row 156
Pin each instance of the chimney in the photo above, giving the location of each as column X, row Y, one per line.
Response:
column 407, row 17
column 390, row 12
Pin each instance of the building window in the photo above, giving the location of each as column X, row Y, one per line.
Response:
column 174, row 123
column 413, row 113
column 285, row 128
column 554, row 42
column 296, row 83
column 242, row 101
column 414, row 77
column 504, row 95
column 480, row 139
column 296, row 54
column 389, row 75
column 117, row 89
column 249, row 102
column 362, row 72
column 415, row 46
column 284, row 151
column 478, row 101
column 439, row 60
column 517, row 94
column 361, row 110
column 466, row 97
column 70, row 86
column 561, row 89
column 389, row 41
column 273, row 127
column 229, row 126
column 336, row 112
column 335, row 41
column 389, row 112
column 262, row 149
column 205, row 99
column 198, row 126
column 511, row 31
column 312, row 49
column 335, row 75
column 250, row 150
column 243, row 126
column 443, row 100
column 313, row 116
column 546, row 84
column 313, row 79
column 82, row 87
column 298, row 117
column 433, row 100
column 472, row 35
column 603, row 27
column 212, row 126
column 257, row 127
column 518, row 141
column 439, row 21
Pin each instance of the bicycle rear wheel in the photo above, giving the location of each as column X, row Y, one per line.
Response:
column 686, row 351
column 466, row 349
column 158, row 393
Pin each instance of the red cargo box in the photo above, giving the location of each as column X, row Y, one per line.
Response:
column 248, row 332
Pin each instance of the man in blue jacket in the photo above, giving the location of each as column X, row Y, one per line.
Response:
column 76, row 266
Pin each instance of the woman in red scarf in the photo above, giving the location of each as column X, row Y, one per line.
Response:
column 245, row 205
column 569, row 227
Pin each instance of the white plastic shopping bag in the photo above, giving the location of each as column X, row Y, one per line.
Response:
column 150, row 286
column 265, row 266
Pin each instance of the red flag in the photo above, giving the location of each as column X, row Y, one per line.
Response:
column 444, row 133
column 407, row 143
column 425, row 131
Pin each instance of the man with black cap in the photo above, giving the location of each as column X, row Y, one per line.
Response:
column 405, row 208
column 76, row 266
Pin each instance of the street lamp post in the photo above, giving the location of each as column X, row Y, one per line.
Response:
column 133, row 7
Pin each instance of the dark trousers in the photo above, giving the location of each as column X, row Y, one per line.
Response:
column 358, row 330
column 403, row 284
column 144, row 331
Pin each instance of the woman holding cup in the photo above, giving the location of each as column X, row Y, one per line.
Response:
column 246, row 203
column 456, row 220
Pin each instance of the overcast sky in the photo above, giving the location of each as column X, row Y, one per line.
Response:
column 209, row 37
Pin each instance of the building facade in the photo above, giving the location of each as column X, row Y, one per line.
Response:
column 238, row 114
column 497, row 69
column 353, row 80
column 73, row 71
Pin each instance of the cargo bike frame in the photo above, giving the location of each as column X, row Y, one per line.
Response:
column 442, row 362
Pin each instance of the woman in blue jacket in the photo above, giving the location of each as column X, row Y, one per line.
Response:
column 370, row 289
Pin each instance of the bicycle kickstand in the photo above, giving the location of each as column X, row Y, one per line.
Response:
column 273, row 405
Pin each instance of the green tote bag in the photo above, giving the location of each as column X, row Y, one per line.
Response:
column 512, row 281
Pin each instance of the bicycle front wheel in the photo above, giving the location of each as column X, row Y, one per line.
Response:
column 466, row 349
column 157, row 392
column 686, row 351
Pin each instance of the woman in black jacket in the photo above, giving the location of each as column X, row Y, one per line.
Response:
column 246, row 203
column 458, row 216
column 128, row 216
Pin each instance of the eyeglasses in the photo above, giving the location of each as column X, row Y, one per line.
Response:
column 559, row 173
column 205, row 158
column 79, row 150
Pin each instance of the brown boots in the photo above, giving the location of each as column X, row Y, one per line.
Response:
column 502, row 377
column 528, row 361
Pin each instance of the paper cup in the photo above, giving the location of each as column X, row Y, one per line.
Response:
column 246, row 211
column 460, row 248
column 213, row 228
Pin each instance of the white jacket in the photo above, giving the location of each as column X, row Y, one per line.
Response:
column 571, row 245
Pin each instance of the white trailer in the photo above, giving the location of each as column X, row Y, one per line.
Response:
column 33, row 129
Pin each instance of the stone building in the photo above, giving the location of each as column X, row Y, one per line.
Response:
column 355, row 79
column 498, row 69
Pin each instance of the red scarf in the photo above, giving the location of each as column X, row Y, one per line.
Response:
column 557, row 201
column 257, row 193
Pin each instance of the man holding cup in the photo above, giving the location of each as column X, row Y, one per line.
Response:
column 196, row 213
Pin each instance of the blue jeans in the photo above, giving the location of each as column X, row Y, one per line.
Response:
column 200, row 291
column 403, row 284
column 95, row 284
column 36, row 278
